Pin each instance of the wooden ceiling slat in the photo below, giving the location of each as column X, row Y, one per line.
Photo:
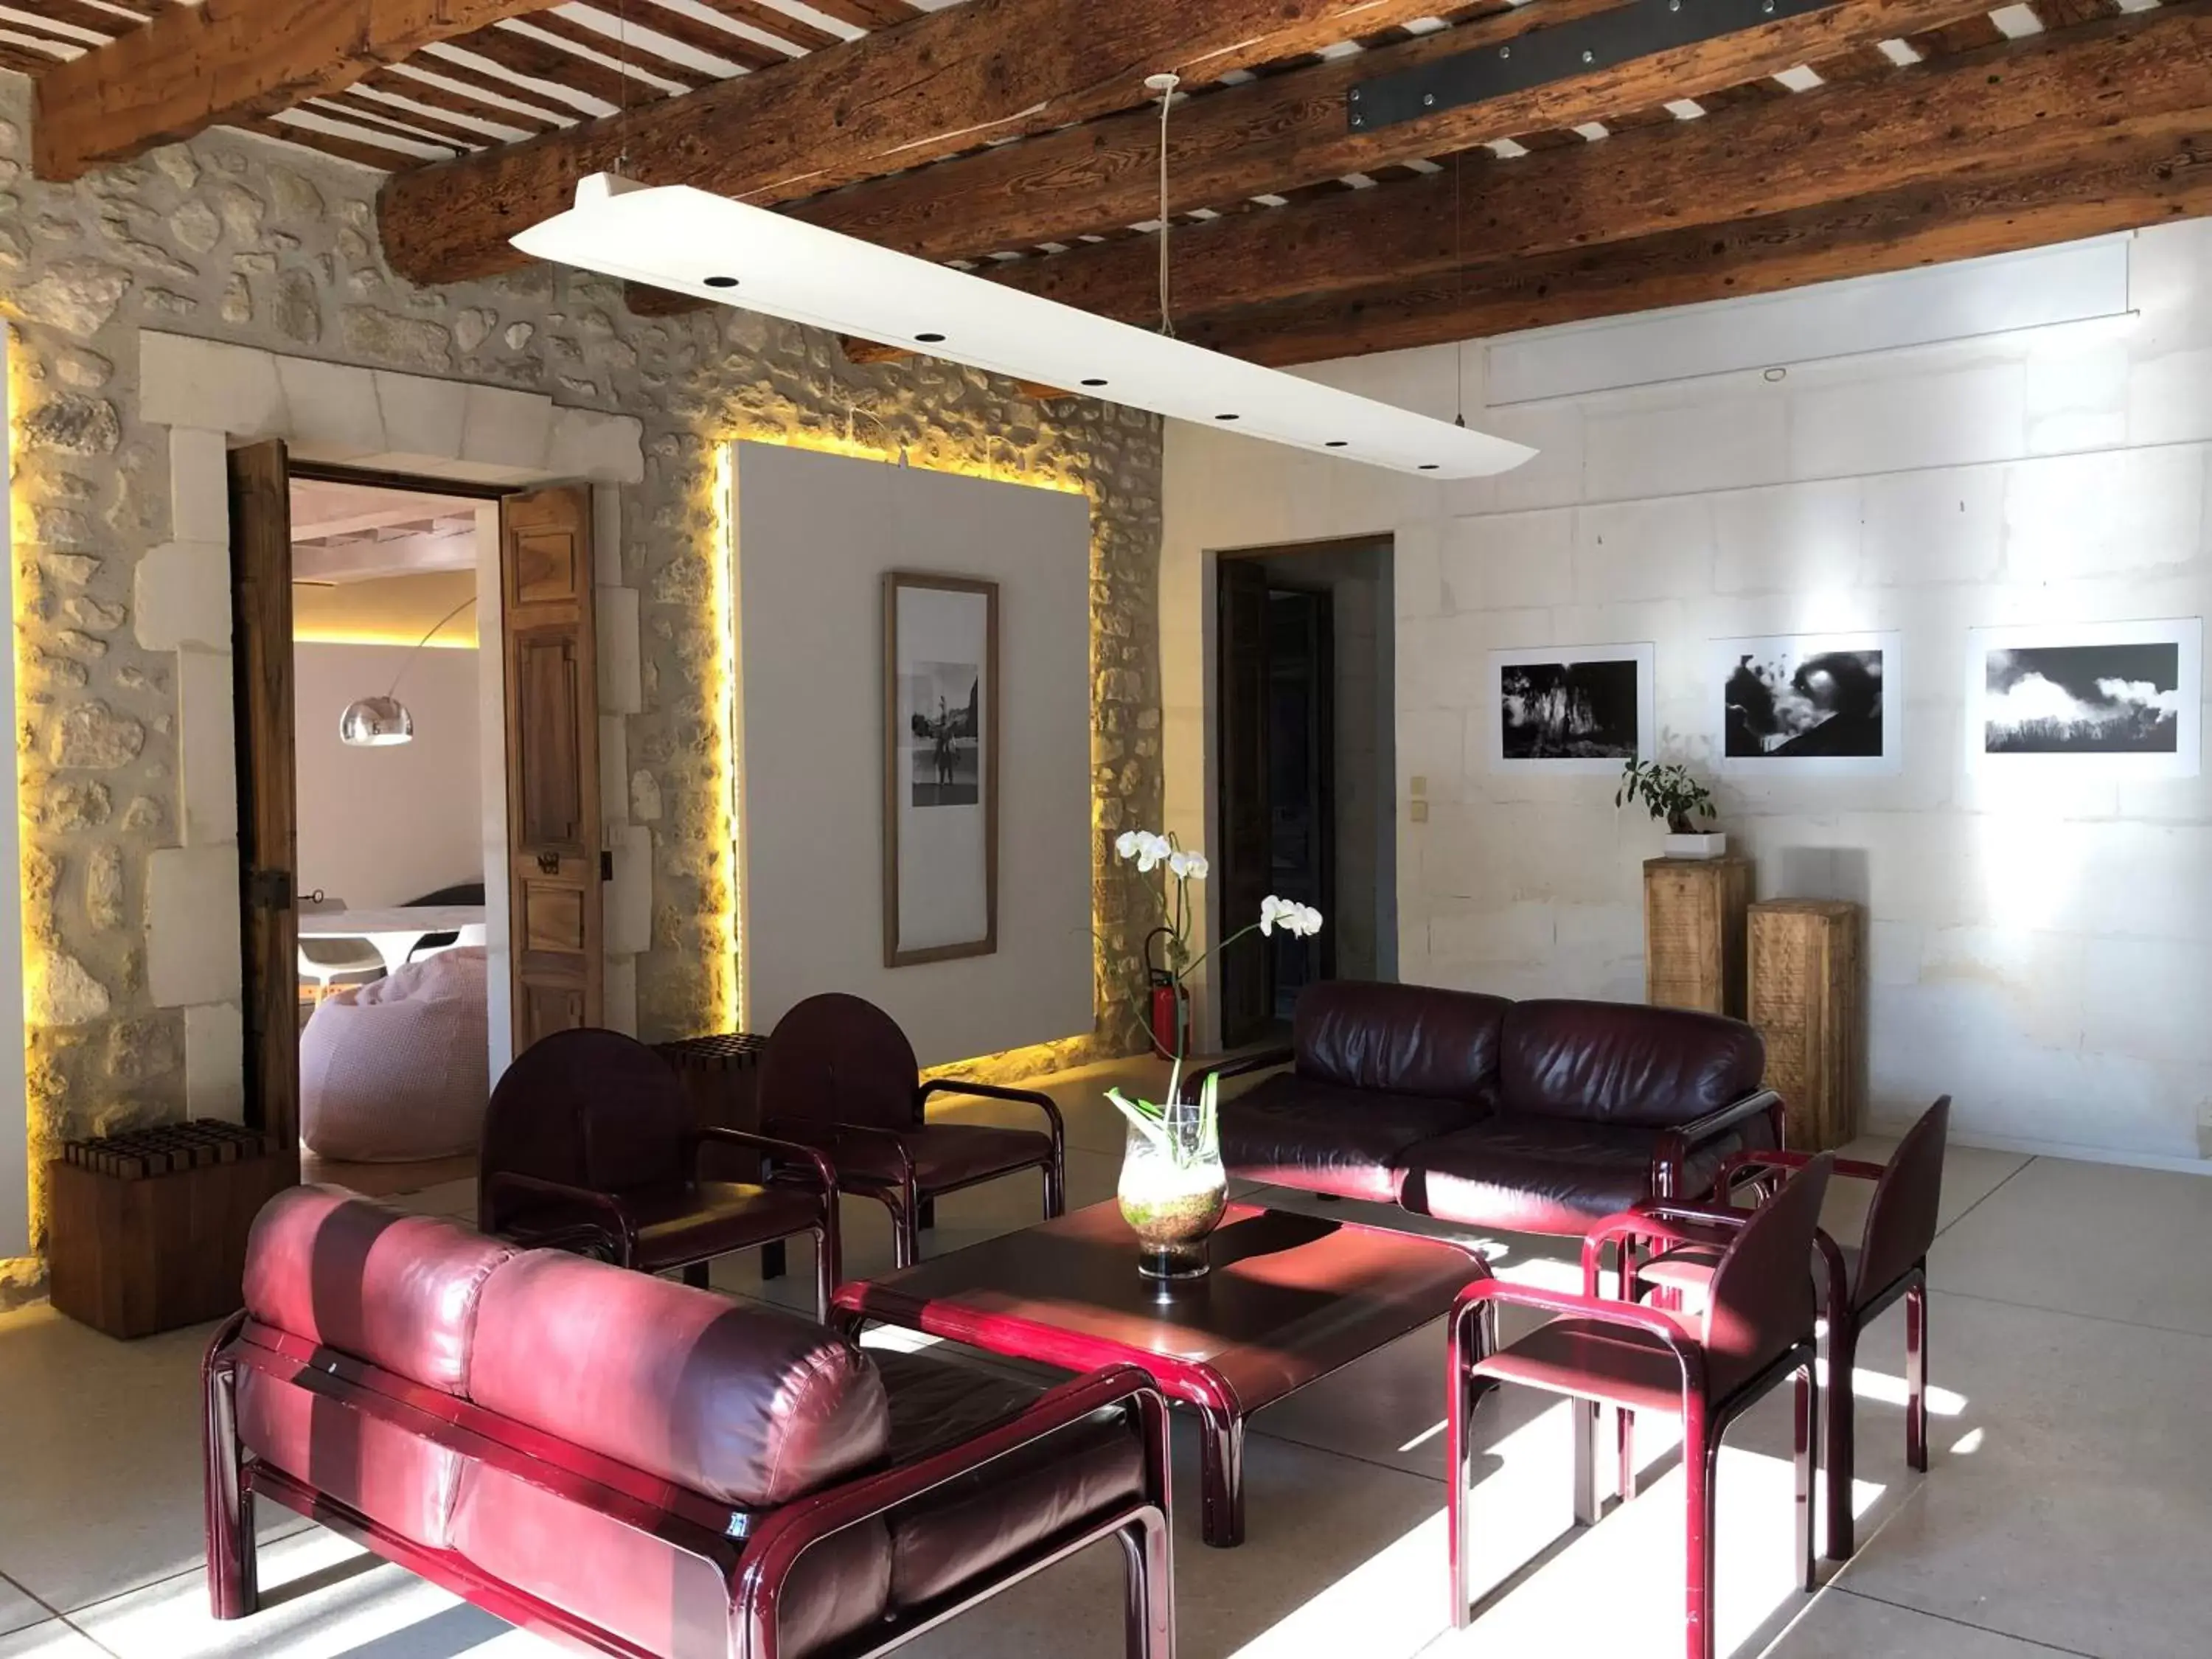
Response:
column 1989, row 110
column 1242, row 140
column 189, row 68
column 2065, row 14
column 1865, row 63
column 545, row 63
column 373, row 112
column 636, row 51
column 1967, row 35
column 867, row 13
column 932, row 87
column 29, row 59
column 2124, row 185
column 367, row 155
column 96, row 18
column 677, row 26
column 781, row 24
column 483, row 108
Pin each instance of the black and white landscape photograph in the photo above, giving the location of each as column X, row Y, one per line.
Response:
column 1817, row 703
column 2121, row 696
column 944, row 729
column 1572, row 709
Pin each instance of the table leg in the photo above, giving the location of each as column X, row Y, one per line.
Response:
column 1221, row 1474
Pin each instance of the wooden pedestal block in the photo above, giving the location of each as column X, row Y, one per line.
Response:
column 147, row 1230
column 1805, row 1002
column 720, row 1076
column 1693, row 911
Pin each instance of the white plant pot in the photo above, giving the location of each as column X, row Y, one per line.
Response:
column 1713, row 845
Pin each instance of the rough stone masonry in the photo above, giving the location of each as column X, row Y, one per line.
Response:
column 237, row 238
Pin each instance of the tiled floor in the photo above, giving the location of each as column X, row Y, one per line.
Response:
column 2071, row 1489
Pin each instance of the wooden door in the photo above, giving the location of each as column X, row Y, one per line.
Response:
column 1242, row 862
column 553, row 827
column 261, row 617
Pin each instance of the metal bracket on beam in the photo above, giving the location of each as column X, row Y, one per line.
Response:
column 1545, row 55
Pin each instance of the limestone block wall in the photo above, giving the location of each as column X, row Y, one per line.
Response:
column 248, row 242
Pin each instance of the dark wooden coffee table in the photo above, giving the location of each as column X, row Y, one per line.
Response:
column 1291, row 1298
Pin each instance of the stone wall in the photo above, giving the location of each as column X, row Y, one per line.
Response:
column 238, row 239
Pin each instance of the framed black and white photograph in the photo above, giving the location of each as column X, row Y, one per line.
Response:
column 1568, row 709
column 940, row 768
column 2118, row 698
column 1810, row 704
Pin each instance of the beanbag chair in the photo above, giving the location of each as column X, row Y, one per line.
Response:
column 395, row 1071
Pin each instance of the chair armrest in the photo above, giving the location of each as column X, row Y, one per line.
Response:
column 1676, row 1144
column 623, row 1229
column 903, row 1159
column 1236, row 1066
column 1043, row 1102
column 1659, row 1221
column 783, row 1534
column 791, row 1152
column 1485, row 1293
column 1855, row 1169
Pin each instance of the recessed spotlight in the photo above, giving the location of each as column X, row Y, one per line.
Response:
column 1428, row 466
column 1094, row 380
column 929, row 339
column 1224, row 417
column 1338, row 443
column 721, row 281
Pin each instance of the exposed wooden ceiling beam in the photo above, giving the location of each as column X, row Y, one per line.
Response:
column 2131, row 184
column 1292, row 130
column 2047, row 99
column 188, row 67
column 944, row 82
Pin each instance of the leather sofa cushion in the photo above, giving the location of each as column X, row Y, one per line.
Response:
column 963, row 1529
column 1404, row 1039
column 391, row 1475
column 400, row 1291
column 1624, row 1063
column 647, row 1590
column 1291, row 1131
column 1543, row 1175
column 746, row 1405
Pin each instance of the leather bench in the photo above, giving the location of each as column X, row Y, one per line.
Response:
column 639, row 1467
column 1538, row 1116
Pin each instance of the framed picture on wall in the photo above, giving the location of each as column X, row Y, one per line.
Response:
column 1810, row 704
column 1567, row 709
column 940, row 768
column 2121, row 699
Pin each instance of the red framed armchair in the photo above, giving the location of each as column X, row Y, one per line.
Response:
column 589, row 1144
column 1859, row 1283
column 1757, row 1332
column 839, row 1075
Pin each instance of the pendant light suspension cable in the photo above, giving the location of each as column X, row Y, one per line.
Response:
column 1164, row 85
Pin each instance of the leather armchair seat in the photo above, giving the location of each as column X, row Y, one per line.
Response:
column 1542, row 1174
column 642, row 1466
column 1294, row 1131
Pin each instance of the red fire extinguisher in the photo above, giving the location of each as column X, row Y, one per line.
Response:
column 1170, row 1003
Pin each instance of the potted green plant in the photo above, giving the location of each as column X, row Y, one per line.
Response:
column 1674, row 798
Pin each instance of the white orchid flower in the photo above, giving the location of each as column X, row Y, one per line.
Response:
column 1273, row 910
column 1301, row 920
column 1305, row 923
column 1151, row 851
column 1127, row 843
column 1187, row 865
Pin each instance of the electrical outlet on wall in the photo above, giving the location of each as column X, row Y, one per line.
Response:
column 1418, row 787
column 1419, row 812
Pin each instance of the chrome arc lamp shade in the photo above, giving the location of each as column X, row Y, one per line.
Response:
column 375, row 723
column 692, row 241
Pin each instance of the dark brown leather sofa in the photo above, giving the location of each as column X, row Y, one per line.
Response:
column 636, row 1468
column 1541, row 1117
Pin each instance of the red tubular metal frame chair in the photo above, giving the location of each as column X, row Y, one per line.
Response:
column 1759, row 1331
column 589, row 1144
column 1890, row 1264
column 838, row 1074
column 754, row 1551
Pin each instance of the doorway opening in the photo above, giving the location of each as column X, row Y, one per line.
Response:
column 419, row 831
column 1305, row 737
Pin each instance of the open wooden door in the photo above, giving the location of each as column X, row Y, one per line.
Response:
column 1243, row 871
column 261, row 619
column 553, row 830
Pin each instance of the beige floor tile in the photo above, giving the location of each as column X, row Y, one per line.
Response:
column 1840, row 1625
column 2088, row 1238
column 52, row 1640
column 101, row 1492
column 18, row 1608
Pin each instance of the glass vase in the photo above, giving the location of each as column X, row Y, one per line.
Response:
column 1172, row 1191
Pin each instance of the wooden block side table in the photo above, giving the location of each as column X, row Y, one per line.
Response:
column 1805, row 966
column 1693, row 933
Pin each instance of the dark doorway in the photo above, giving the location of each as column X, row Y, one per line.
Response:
column 1303, row 737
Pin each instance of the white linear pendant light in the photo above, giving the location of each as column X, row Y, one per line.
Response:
column 691, row 242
